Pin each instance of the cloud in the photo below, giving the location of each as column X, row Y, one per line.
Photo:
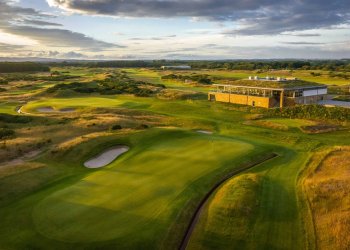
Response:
column 59, row 37
column 73, row 55
column 4, row 47
column 302, row 43
column 30, row 23
column 10, row 12
column 40, row 23
column 158, row 38
column 255, row 17
column 276, row 52
column 302, row 34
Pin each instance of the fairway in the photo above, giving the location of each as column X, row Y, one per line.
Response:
column 59, row 103
column 138, row 192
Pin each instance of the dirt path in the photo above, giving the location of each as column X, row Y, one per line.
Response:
column 22, row 159
column 201, row 205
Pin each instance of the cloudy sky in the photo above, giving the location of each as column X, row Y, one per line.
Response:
column 174, row 29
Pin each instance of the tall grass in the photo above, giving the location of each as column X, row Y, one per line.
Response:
column 327, row 188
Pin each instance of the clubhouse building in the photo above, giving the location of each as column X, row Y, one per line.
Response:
column 269, row 92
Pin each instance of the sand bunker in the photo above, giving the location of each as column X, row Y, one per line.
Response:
column 106, row 157
column 51, row 109
column 205, row 132
column 67, row 110
column 45, row 109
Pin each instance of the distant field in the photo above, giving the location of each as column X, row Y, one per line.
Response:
column 324, row 77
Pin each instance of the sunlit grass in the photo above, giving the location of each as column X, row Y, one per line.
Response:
column 327, row 186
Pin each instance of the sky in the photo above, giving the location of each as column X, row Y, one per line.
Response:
column 174, row 29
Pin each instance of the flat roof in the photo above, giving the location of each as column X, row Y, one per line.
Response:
column 269, row 85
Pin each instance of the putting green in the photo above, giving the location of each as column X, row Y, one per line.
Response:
column 138, row 194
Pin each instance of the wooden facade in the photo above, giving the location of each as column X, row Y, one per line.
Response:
column 268, row 97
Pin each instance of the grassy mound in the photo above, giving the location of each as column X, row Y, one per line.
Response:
column 228, row 215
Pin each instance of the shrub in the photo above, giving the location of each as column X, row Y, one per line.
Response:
column 315, row 74
column 114, row 84
column 5, row 133
column 313, row 112
column 116, row 127
column 3, row 82
column 201, row 79
column 15, row 118
column 143, row 126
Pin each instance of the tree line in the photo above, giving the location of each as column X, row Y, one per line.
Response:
column 14, row 67
column 329, row 65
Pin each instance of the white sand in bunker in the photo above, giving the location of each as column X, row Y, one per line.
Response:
column 207, row 132
column 67, row 110
column 106, row 157
column 45, row 109
column 51, row 109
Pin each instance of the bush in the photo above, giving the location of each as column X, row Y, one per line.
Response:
column 313, row 112
column 315, row 74
column 142, row 126
column 114, row 84
column 5, row 133
column 201, row 79
column 116, row 127
column 15, row 118
column 3, row 82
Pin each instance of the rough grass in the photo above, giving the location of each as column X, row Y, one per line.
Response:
column 267, row 124
column 327, row 188
column 320, row 128
column 171, row 94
